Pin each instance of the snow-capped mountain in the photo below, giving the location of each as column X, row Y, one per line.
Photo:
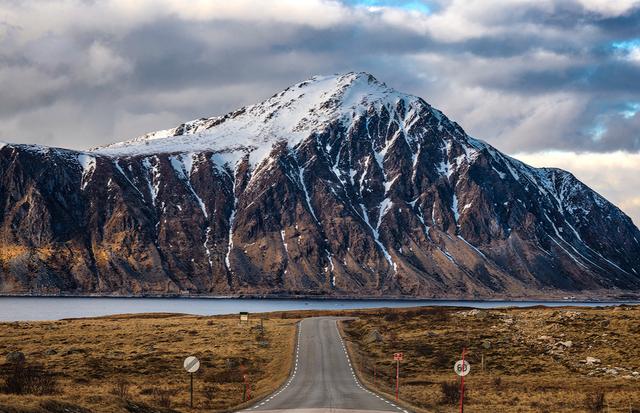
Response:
column 338, row 185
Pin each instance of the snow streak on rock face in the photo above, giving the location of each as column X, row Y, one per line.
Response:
column 88, row 164
column 336, row 185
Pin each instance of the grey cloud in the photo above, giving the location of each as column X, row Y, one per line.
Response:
column 541, row 76
column 621, row 132
column 501, row 85
column 620, row 26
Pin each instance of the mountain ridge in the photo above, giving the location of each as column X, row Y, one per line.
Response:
column 288, row 115
column 337, row 185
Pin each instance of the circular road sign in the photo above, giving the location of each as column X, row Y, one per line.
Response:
column 462, row 368
column 191, row 364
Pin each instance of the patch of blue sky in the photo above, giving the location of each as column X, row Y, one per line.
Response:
column 597, row 131
column 626, row 45
column 411, row 5
column 631, row 108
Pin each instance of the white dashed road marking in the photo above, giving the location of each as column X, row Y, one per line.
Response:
column 356, row 379
column 293, row 376
column 295, row 371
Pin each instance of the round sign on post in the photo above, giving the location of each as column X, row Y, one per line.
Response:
column 462, row 368
column 191, row 364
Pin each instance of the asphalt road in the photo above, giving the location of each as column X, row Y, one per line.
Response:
column 323, row 380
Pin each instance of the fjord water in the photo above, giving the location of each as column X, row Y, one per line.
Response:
column 55, row 308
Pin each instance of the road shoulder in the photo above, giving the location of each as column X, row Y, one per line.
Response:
column 401, row 406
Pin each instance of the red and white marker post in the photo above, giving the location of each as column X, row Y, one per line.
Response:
column 247, row 388
column 398, row 358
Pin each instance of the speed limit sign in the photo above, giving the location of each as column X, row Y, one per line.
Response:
column 462, row 367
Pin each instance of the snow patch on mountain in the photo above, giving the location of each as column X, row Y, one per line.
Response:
column 232, row 218
column 88, row 164
column 228, row 160
column 152, row 176
column 291, row 115
column 454, row 208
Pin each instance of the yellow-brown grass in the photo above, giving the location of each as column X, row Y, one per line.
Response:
column 90, row 356
column 525, row 368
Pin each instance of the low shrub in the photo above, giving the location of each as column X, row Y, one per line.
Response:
column 594, row 402
column 162, row 396
column 209, row 394
column 391, row 316
column 450, row 392
column 497, row 382
column 120, row 389
column 23, row 378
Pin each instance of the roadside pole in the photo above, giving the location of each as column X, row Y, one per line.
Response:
column 398, row 357
column 191, row 365
column 464, row 350
column 247, row 389
column 244, row 393
column 462, row 368
column 397, row 379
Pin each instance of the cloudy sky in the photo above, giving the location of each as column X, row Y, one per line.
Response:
column 553, row 82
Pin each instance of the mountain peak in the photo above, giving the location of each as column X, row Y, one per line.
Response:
column 336, row 185
column 338, row 84
column 290, row 115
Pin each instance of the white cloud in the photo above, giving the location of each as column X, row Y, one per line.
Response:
column 509, row 119
column 57, row 125
column 614, row 175
column 316, row 13
column 634, row 54
column 25, row 86
column 102, row 65
column 128, row 124
column 43, row 17
column 609, row 8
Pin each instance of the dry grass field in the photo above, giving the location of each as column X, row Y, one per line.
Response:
column 522, row 360
column 134, row 363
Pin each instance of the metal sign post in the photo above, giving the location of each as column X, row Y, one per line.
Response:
column 191, row 365
column 398, row 358
column 462, row 368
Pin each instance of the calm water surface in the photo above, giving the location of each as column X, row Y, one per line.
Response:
column 45, row 308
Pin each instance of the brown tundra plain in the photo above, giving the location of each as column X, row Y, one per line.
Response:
column 522, row 360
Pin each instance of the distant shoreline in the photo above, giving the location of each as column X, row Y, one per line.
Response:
column 31, row 308
column 556, row 299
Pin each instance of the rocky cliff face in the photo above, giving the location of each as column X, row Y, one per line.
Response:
column 335, row 186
